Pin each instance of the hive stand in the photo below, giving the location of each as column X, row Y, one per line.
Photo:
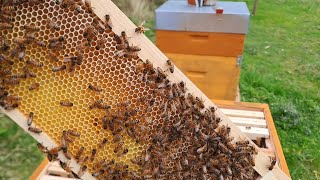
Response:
column 149, row 51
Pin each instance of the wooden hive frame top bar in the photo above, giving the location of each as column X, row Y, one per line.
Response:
column 149, row 51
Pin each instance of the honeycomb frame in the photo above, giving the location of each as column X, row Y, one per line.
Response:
column 149, row 51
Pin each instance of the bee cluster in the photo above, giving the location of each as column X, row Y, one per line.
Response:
column 150, row 129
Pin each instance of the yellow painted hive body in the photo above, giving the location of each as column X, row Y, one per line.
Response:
column 120, row 82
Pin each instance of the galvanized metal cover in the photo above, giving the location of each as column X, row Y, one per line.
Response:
column 179, row 16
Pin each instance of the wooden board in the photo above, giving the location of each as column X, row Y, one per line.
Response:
column 200, row 43
column 149, row 51
column 218, row 77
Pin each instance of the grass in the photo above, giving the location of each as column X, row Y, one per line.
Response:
column 19, row 156
column 281, row 67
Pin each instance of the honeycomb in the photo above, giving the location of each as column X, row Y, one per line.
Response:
column 101, row 67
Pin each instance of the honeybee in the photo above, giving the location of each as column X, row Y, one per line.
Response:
column 242, row 143
column 52, row 24
column 59, row 68
column 83, row 160
column 30, row 118
column 103, row 142
column 6, row 26
column 65, row 138
column 118, row 147
column 34, row 130
column 41, row 43
column 65, row 152
column 134, row 48
column 137, row 160
column 96, row 104
column 273, row 162
column 7, row 9
column 52, row 56
column 31, row 27
column 87, row 6
column 105, row 122
column 66, row 103
column 133, row 122
column 6, row 18
column 100, row 43
column 21, row 53
column 121, row 46
column 55, row 150
column 108, row 22
column 171, row 66
column 9, row 107
column 94, row 88
column 5, row 71
column 141, row 29
column 98, row 173
column 123, row 152
column 117, row 138
column 118, row 39
column 65, row 166
column 99, row 164
column 3, row 94
column 75, row 7
column 4, row 46
column 52, row 157
column 130, row 55
column 56, row 39
column 93, row 154
column 73, row 133
column 89, row 33
column 42, row 148
column 28, row 73
column 34, row 86
column 56, row 45
column 124, row 37
column 202, row 149
column 21, row 41
column 82, row 170
column 135, row 175
column 12, row 81
column 199, row 103
column 79, row 153
column 30, row 36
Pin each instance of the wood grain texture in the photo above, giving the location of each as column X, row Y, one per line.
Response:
column 151, row 52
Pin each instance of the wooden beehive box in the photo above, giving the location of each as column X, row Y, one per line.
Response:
column 58, row 94
column 256, row 121
column 185, row 29
column 206, row 46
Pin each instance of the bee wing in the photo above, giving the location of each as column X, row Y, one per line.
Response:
column 146, row 29
column 143, row 22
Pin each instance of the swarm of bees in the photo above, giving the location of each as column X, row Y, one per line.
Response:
column 188, row 143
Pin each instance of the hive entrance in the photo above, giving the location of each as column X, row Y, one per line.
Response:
column 172, row 128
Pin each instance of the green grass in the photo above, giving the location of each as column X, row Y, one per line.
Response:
column 19, row 156
column 281, row 67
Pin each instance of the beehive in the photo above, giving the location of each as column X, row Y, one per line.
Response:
column 115, row 75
